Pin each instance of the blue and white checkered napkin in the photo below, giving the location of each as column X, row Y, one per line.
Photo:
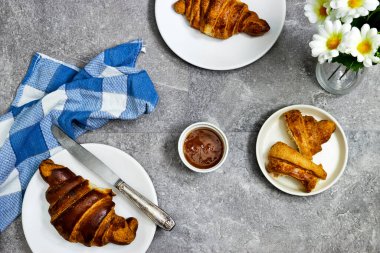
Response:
column 52, row 92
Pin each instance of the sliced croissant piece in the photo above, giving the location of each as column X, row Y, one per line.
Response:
column 278, row 166
column 282, row 151
column 82, row 213
column 308, row 133
column 221, row 18
column 319, row 132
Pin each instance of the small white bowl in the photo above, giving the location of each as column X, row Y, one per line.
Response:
column 206, row 125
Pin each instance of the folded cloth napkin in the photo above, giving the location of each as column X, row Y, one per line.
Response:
column 53, row 92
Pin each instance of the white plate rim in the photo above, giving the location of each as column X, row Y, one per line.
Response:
column 236, row 66
column 98, row 145
column 262, row 163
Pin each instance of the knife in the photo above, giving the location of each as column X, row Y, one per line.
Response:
column 156, row 214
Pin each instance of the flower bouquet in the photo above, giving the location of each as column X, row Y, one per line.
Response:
column 348, row 33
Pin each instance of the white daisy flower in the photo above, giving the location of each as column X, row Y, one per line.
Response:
column 362, row 44
column 317, row 10
column 325, row 44
column 347, row 10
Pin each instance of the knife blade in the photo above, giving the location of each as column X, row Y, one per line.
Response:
column 90, row 161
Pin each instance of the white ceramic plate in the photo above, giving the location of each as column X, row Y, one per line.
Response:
column 333, row 156
column 42, row 236
column 210, row 53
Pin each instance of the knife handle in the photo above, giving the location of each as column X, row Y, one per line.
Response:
column 156, row 214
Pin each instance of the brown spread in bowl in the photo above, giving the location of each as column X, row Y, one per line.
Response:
column 203, row 148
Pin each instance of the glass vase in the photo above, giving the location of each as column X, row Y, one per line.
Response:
column 337, row 79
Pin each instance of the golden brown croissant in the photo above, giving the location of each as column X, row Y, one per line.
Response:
column 82, row 213
column 307, row 133
column 278, row 166
column 221, row 18
column 283, row 152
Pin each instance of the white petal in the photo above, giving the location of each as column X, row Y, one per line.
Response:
column 342, row 47
column 367, row 62
column 372, row 32
column 329, row 27
column 317, row 51
column 355, row 33
column 371, row 5
column 362, row 12
column 375, row 59
column 346, row 28
column 376, row 40
column 347, row 19
column 322, row 30
column 364, row 30
column 318, row 37
column 317, row 44
column 354, row 52
column 334, row 53
column 337, row 25
column 313, row 19
column 324, row 33
column 321, row 59
column 336, row 4
column 308, row 7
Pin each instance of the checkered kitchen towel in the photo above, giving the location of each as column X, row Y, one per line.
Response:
column 52, row 92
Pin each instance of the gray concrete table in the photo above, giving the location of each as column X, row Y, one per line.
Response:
column 234, row 209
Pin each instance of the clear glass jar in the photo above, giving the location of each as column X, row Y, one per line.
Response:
column 336, row 79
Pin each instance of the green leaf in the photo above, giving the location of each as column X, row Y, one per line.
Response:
column 349, row 62
column 359, row 22
column 373, row 19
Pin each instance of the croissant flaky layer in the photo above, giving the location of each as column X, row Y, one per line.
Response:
column 308, row 133
column 82, row 213
column 283, row 152
column 281, row 167
column 221, row 18
column 284, row 160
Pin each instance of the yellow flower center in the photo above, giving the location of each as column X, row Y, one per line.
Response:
column 333, row 42
column 355, row 3
column 365, row 47
column 322, row 11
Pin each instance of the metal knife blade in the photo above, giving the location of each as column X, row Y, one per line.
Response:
column 156, row 214
column 84, row 156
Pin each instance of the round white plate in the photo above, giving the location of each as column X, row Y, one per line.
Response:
column 211, row 53
column 42, row 236
column 333, row 156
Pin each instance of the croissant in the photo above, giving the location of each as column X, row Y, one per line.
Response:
column 283, row 152
column 278, row 166
column 308, row 133
column 82, row 213
column 221, row 18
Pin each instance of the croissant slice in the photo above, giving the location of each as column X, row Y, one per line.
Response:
column 221, row 18
column 83, row 213
column 283, row 152
column 307, row 133
column 319, row 132
column 277, row 166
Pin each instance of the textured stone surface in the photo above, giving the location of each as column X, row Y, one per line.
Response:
column 234, row 209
